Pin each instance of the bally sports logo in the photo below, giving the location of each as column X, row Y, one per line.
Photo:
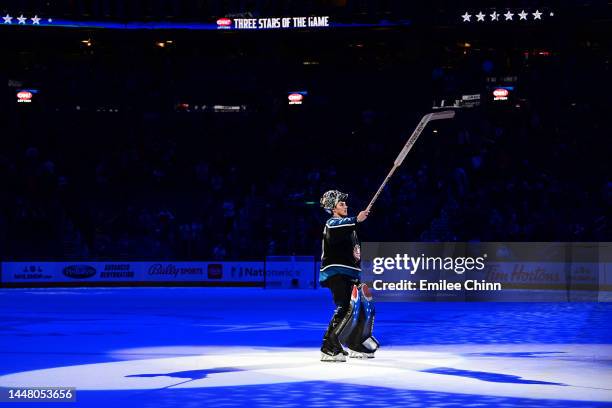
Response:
column 224, row 23
column 174, row 270
column 79, row 271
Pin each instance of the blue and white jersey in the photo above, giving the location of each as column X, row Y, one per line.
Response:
column 341, row 252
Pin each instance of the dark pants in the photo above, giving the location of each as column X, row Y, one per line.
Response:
column 341, row 287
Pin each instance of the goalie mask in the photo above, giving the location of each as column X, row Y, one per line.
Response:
column 331, row 198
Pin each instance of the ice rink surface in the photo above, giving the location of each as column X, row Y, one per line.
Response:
column 222, row 347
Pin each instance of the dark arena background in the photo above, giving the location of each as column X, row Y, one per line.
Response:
column 161, row 166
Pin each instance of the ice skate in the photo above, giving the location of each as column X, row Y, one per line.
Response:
column 333, row 356
column 359, row 354
column 365, row 350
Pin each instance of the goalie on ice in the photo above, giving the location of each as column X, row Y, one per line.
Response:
column 353, row 319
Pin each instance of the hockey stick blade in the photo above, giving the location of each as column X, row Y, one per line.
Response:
column 417, row 132
column 449, row 114
column 411, row 141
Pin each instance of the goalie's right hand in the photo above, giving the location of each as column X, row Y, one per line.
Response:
column 363, row 215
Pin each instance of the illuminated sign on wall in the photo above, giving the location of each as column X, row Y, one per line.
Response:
column 274, row 23
column 296, row 98
column 229, row 108
column 242, row 21
column 197, row 108
column 26, row 95
column 501, row 93
column 224, row 23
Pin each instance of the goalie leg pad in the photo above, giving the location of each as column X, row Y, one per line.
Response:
column 360, row 339
column 351, row 320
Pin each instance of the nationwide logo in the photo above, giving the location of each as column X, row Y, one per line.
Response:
column 240, row 272
column 224, row 23
column 79, row 271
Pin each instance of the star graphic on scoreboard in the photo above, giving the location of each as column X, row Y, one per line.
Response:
column 22, row 19
column 522, row 15
column 50, row 20
column 7, row 19
column 35, row 20
column 509, row 15
column 537, row 15
column 466, row 17
column 480, row 16
column 494, row 16
column 552, row 14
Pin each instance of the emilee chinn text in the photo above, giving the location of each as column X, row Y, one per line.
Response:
column 425, row 285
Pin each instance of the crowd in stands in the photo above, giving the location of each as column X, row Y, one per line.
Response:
column 149, row 181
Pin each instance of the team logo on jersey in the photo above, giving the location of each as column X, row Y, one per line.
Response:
column 357, row 252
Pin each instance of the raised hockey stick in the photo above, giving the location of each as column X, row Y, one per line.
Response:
column 411, row 141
